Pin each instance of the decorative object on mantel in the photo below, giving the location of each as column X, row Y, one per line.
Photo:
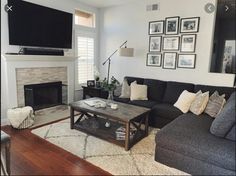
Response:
column 169, row 60
column 189, row 25
column 125, row 52
column 172, row 25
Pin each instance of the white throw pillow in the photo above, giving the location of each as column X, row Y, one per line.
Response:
column 125, row 90
column 138, row 92
column 200, row 102
column 184, row 101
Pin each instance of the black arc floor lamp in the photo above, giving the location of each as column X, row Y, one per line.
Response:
column 124, row 52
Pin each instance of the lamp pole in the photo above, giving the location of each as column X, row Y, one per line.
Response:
column 109, row 61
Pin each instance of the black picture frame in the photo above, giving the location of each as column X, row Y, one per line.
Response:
column 91, row 83
column 159, row 28
column 193, row 61
column 172, row 25
column 164, row 43
column 185, row 44
column 186, row 25
column 154, row 64
column 165, row 58
column 158, row 43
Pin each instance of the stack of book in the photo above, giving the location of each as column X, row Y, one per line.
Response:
column 120, row 133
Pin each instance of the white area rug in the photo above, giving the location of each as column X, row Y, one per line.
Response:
column 110, row 157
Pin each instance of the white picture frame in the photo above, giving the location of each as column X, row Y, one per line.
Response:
column 154, row 60
column 169, row 60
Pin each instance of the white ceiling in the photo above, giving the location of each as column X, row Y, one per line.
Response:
column 104, row 3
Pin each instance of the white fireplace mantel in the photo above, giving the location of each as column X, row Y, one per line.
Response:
column 9, row 64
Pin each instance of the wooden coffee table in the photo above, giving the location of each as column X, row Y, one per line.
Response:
column 92, row 121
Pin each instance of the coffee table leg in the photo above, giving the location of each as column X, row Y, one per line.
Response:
column 146, row 125
column 127, row 136
column 72, row 118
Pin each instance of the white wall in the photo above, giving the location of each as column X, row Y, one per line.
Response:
column 64, row 5
column 130, row 22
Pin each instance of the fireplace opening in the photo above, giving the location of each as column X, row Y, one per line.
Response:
column 40, row 96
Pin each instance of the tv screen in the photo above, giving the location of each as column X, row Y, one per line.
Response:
column 39, row 26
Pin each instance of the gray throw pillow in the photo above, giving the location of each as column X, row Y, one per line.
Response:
column 231, row 134
column 215, row 104
column 225, row 120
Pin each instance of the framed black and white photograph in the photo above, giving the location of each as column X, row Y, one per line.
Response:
column 154, row 60
column 172, row 25
column 154, row 43
column 91, row 83
column 189, row 25
column 169, row 60
column 188, row 43
column 156, row 27
column 170, row 43
column 186, row 61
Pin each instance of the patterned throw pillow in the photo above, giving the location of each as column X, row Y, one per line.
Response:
column 215, row 104
column 199, row 104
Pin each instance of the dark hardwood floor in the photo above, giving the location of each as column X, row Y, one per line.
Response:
column 31, row 155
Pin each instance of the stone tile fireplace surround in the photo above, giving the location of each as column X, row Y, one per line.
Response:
column 19, row 70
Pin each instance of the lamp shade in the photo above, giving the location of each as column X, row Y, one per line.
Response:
column 126, row 52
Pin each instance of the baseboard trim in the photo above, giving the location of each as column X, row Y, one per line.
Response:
column 4, row 122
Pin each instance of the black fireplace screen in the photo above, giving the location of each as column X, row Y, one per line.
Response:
column 45, row 95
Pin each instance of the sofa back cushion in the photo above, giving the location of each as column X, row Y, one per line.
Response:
column 156, row 89
column 132, row 79
column 225, row 120
column 231, row 134
column 174, row 89
column 222, row 90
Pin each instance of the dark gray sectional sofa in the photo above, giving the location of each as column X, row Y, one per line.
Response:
column 184, row 141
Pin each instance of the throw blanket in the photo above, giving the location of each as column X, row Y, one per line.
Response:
column 18, row 115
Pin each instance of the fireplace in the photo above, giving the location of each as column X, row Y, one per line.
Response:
column 44, row 95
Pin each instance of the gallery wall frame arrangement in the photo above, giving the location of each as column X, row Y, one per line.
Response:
column 172, row 25
column 171, row 43
column 169, row 60
column 154, row 60
column 186, row 61
column 188, row 43
column 170, row 38
column 155, row 43
column 156, row 27
column 189, row 25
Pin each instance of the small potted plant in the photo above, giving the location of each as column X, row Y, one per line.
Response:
column 97, row 77
column 110, row 87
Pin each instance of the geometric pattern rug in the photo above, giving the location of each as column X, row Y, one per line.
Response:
column 139, row 160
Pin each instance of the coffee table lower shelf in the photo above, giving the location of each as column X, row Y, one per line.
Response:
column 107, row 133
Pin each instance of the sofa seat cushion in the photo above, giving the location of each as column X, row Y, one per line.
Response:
column 143, row 103
column 189, row 135
column 122, row 100
column 166, row 111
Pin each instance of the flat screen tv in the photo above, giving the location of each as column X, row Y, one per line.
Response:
column 38, row 26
